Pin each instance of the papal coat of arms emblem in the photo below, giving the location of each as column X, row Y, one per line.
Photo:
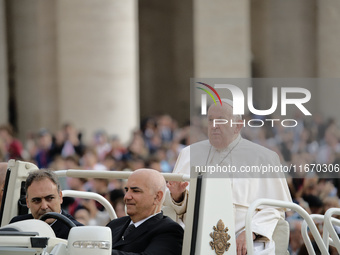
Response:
column 220, row 238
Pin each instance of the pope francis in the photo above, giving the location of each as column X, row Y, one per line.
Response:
column 226, row 147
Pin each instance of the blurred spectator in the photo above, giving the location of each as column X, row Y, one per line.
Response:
column 136, row 163
column 67, row 142
column 154, row 163
column 58, row 163
column 3, row 170
column 310, row 186
column 149, row 128
column 119, row 208
column 315, row 203
column 90, row 160
column 82, row 215
column 295, row 237
column 165, row 126
column 73, row 144
column 327, row 152
column 30, row 146
column 77, row 184
column 110, row 162
column 117, row 201
column 161, row 155
column 326, row 188
column 2, row 151
column 173, row 151
column 101, row 144
column 72, row 162
column 115, row 194
column 155, row 143
column 101, row 186
column 117, row 149
column 330, row 202
column 12, row 145
column 43, row 156
column 58, row 142
column 137, row 147
column 305, row 143
column 99, row 216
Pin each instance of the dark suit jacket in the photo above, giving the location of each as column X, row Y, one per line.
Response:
column 159, row 235
column 59, row 228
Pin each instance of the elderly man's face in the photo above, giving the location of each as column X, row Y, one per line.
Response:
column 221, row 135
column 43, row 197
column 140, row 200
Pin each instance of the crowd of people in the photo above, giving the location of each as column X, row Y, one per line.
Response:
column 157, row 144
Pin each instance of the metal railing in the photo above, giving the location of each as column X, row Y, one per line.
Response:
column 114, row 174
column 290, row 205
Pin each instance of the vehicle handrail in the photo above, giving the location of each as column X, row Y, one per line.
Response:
column 326, row 239
column 271, row 202
column 328, row 220
column 91, row 195
column 114, row 174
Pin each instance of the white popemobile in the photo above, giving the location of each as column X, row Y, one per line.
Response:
column 209, row 226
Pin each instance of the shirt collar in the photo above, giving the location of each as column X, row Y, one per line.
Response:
column 138, row 223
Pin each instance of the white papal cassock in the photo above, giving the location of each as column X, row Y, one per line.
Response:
column 243, row 155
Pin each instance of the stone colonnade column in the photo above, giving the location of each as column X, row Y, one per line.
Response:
column 98, row 65
column 221, row 39
column 283, row 42
column 3, row 67
column 32, row 32
column 76, row 61
column 283, row 38
column 328, row 38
